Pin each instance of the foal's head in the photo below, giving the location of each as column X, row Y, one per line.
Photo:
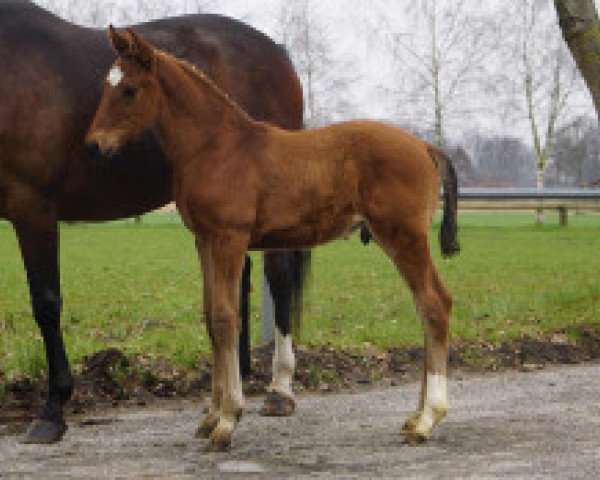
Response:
column 130, row 97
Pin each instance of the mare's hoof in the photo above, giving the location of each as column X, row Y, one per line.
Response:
column 44, row 431
column 278, row 405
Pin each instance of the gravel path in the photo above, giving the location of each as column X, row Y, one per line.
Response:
column 535, row 425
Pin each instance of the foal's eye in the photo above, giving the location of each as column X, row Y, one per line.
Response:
column 129, row 92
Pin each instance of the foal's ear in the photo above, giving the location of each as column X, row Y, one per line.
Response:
column 141, row 49
column 119, row 41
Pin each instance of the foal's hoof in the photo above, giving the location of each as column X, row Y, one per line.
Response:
column 208, row 424
column 44, row 431
column 411, row 423
column 413, row 431
column 417, row 428
column 221, row 444
column 278, row 405
column 415, row 438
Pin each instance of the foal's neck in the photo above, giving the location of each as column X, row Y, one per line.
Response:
column 196, row 118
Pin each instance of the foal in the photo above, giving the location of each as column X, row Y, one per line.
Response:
column 241, row 184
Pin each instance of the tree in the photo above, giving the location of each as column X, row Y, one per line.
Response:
column 501, row 161
column 440, row 55
column 324, row 78
column 547, row 77
column 580, row 26
column 577, row 154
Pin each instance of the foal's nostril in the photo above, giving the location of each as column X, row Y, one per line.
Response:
column 93, row 148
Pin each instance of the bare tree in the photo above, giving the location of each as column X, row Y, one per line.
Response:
column 501, row 161
column 440, row 55
column 545, row 78
column 548, row 78
column 578, row 20
column 324, row 77
column 577, row 154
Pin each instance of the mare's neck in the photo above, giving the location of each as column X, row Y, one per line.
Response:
column 195, row 119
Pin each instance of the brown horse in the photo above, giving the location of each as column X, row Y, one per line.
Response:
column 241, row 183
column 49, row 85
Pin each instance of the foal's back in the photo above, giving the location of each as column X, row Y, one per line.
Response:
column 358, row 145
column 333, row 176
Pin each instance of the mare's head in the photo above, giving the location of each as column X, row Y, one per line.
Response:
column 130, row 96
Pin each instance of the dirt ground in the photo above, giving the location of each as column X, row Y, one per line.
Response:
column 109, row 378
column 537, row 424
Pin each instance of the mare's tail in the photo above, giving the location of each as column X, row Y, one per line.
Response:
column 449, row 230
column 299, row 268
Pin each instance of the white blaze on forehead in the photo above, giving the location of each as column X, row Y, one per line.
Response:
column 115, row 76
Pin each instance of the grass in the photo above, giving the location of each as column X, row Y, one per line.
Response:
column 137, row 287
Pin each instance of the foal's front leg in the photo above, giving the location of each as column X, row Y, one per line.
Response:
column 212, row 412
column 225, row 254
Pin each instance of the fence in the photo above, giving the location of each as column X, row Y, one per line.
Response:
column 561, row 199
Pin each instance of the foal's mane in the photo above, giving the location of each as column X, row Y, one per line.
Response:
column 209, row 85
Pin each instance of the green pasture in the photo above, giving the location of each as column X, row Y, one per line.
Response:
column 137, row 287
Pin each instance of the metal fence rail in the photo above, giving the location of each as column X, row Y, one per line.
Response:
column 528, row 194
column 560, row 199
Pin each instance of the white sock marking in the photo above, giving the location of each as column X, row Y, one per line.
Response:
column 436, row 397
column 283, row 364
column 437, row 390
column 234, row 377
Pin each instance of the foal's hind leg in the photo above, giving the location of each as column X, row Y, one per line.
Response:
column 433, row 306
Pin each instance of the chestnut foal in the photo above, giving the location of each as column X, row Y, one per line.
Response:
column 241, row 184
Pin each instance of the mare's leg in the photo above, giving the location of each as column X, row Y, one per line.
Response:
column 411, row 255
column 280, row 398
column 38, row 241
column 226, row 252
column 245, row 357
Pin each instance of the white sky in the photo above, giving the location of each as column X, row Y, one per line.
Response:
column 352, row 42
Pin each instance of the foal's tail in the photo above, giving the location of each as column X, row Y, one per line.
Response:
column 449, row 230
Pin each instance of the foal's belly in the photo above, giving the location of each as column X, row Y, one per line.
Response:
column 306, row 234
column 320, row 205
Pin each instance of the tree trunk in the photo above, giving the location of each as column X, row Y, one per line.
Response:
column 580, row 26
column 435, row 69
column 539, row 185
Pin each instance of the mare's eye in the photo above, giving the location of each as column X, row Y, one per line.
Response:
column 129, row 92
